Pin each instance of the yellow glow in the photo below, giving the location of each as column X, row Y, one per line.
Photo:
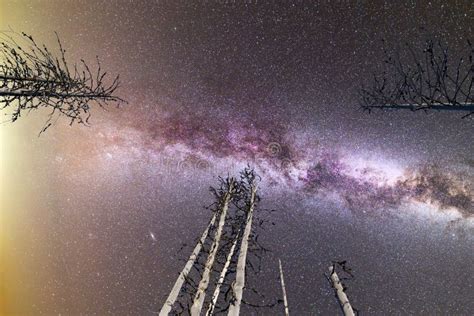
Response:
column 15, row 164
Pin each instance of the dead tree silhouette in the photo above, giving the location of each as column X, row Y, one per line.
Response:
column 339, row 288
column 31, row 77
column 426, row 79
column 208, row 283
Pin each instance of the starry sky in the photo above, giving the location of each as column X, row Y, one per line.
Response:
column 93, row 218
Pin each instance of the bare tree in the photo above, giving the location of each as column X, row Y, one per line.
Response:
column 341, row 295
column 428, row 79
column 238, row 288
column 283, row 289
column 201, row 292
column 167, row 307
column 228, row 244
column 222, row 276
column 339, row 287
column 31, row 77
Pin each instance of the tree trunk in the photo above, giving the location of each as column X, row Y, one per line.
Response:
column 283, row 288
column 342, row 297
column 461, row 106
column 234, row 308
column 201, row 292
column 29, row 79
column 215, row 296
column 51, row 94
column 166, row 309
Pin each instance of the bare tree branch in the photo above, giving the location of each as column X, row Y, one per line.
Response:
column 31, row 77
column 430, row 79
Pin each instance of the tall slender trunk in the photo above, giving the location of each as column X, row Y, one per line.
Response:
column 166, row 309
column 234, row 308
column 201, row 292
column 217, row 290
column 52, row 94
column 283, row 288
column 30, row 79
column 459, row 106
column 341, row 295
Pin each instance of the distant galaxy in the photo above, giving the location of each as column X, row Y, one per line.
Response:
column 363, row 183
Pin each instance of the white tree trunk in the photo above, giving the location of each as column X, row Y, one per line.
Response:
column 166, row 309
column 343, row 300
column 234, row 308
column 201, row 292
column 283, row 288
column 217, row 291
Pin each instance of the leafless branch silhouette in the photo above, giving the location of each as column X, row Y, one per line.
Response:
column 427, row 80
column 31, row 77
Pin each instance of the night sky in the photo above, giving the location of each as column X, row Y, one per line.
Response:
column 92, row 218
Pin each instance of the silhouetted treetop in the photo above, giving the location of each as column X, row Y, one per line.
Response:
column 32, row 77
column 430, row 78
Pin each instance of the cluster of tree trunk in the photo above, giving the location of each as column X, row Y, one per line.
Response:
column 218, row 263
column 219, row 258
